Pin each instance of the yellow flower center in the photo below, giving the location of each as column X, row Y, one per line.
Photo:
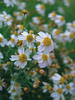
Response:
column 71, row 35
column 0, row 83
column 23, row 58
column 68, row 1
column 57, row 32
column 16, row 85
column 68, row 87
column 62, row 18
column 1, row 39
column 16, row 97
column 60, row 91
column 21, row 27
column 20, row 13
column 12, row 40
column 29, row 38
column 72, row 25
column 54, row 14
column 44, row 57
column 48, row 87
column 47, row 41
column 64, row 36
column 62, row 80
column 42, row 6
column 1, row 65
column 19, row 42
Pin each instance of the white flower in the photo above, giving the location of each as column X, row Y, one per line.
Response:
column 69, row 88
column 2, row 84
column 52, row 16
column 22, row 58
column 21, row 5
column 60, row 20
column 43, row 59
column 13, row 40
column 56, row 34
column 1, row 56
column 46, row 43
column 3, row 41
column 41, row 9
column 36, row 20
column 10, row 2
column 58, row 79
column 27, row 38
column 58, row 93
column 46, row 87
column 67, row 2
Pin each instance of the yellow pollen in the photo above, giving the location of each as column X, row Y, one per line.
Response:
column 64, row 36
column 29, row 38
column 42, row 6
column 1, row 39
column 23, row 58
column 62, row 80
column 21, row 27
column 16, row 97
column 44, row 57
column 1, row 65
column 47, row 41
column 57, row 32
column 20, row 13
column 54, row 14
column 19, row 42
column 71, row 35
column 72, row 25
column 12, row 40
column 62, row 18
column 60, row 91
column 16, row 85
column 68, row 87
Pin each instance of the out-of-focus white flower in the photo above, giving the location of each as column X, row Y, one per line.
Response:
column 12, row 41
column 60, row 20
column 69, row 88
column 21, row 5
column 46, row 43
column 3, row 41
column 46, row 87
column 67, row 2
column 43, row 59
column 61, row 10
column 36, row 20
column 10, row 2
column 58, row 79
column 22, row 58
column 58, row 93
column 56, row 34
column 40, row 9
column 1, row 56
column 2, row 84
column 52, row 16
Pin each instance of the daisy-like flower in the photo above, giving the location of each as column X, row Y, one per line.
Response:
column 51, row 2
column 52, row 16
column 36, row 20
column 27, row 38
column 13, row 40
column 56, row 34
column 69, row 88
column 60, row 20
column 2, row 40
column 67, row 2
column 46, row 43
column 57, row 79
column 71, row 26
column 10, row 2
column 43, row 59
column 2, row 84
column 46, row 87
column 58, row 93
column 40, row 9
column 21, row 5
column 22, row 58
column 3, row 66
